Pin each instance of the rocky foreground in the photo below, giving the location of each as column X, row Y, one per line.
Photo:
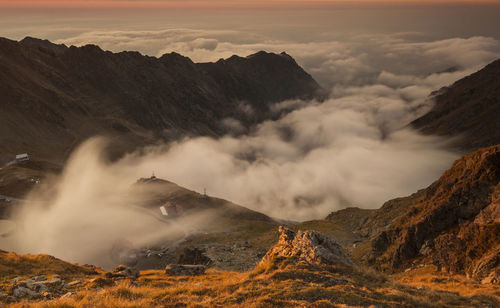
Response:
column 304, row 268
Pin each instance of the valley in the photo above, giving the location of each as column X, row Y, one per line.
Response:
column 166, row 245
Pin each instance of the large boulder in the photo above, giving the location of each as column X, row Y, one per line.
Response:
column 309, row 247
column 123, row 271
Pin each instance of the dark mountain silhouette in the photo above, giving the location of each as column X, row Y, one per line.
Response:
column 54, row 96
column 470, row 109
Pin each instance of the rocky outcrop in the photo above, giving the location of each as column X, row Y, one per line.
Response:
column 467, row 109
column 456, row 224
column 309, row 247
column 54, row 96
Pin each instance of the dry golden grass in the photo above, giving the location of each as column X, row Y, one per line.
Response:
column 13, row 265
column 275, row 284
column 429, row 277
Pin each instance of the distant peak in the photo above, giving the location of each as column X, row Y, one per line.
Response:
column 31, row 41
column 257, row 54
column 174, row 56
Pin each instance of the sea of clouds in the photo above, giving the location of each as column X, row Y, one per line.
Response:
column 353, row 149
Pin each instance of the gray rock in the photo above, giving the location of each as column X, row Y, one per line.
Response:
column 185, row 270
column 39, row 278
column 123, row 271
column 307, row 246
column 45, row 284
column 17, row 279
column 24, row 292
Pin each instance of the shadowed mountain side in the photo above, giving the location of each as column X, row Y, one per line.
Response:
column 54, row 96
column 469, row 109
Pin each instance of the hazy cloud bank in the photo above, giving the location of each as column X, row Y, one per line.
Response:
column 92, row 209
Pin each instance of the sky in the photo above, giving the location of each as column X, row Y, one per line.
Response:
column 208, row 3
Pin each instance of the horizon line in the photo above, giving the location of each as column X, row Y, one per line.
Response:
column 40, row 4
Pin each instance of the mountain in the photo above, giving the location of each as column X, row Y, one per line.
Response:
column 456, row 225
column 54, row 96
column 453, row 224
column 468, row 109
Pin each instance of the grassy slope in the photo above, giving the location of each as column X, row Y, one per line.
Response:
column 13, row 265
column 266, row 286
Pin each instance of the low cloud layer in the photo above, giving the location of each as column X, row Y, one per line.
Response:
column 347, row 151
column 354, row 149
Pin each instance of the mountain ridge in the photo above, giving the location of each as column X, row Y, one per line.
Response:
column 63, row 95
column 467, row 109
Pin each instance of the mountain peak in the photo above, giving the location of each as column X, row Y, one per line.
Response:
column 36, row 42
column 146, row 97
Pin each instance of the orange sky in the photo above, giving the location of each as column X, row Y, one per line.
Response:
column 206, row 3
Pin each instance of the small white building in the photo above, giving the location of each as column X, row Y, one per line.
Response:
column 170, row 210
column 22, row 157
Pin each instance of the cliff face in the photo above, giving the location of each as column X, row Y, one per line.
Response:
column 53, row 96
column 456, row 224
column 468, row 109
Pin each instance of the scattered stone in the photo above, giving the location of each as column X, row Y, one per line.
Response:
column 74, row 283
column 68, row 295
column 184, row 270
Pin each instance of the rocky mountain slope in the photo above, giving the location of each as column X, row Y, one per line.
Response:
column 54, row 96
column 468, row 109
column 457, row 224
column 453, row 224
